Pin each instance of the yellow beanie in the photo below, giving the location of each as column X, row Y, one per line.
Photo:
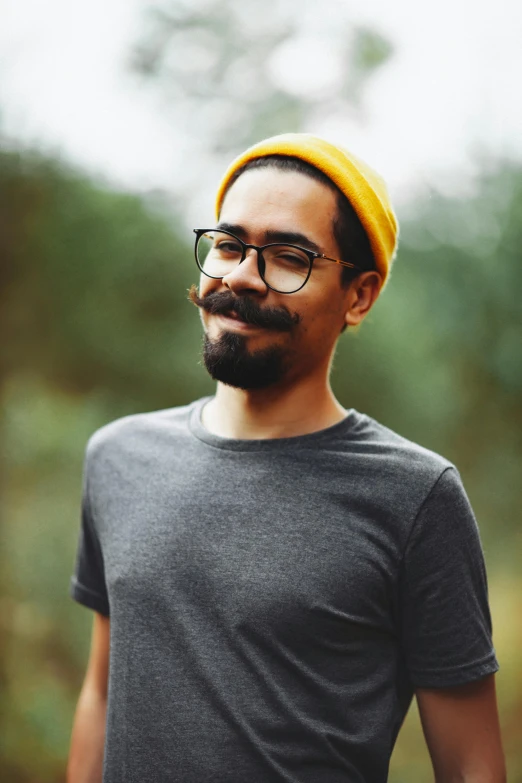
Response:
column 364, row 188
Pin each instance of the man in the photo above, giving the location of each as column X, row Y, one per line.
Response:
column 275, row 577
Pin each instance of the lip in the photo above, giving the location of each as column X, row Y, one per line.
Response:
column 237, row 324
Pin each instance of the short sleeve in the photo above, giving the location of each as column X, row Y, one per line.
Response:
column 445, row 617
column 88, row 581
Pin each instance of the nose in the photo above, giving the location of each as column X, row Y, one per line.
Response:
column 245, row 276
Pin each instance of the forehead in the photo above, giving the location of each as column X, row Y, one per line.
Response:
column 267, row 198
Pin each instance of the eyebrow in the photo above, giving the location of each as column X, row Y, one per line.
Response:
column 272, row 235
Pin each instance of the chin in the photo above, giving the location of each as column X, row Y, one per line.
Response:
column 228, row 360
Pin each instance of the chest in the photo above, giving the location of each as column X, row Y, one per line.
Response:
column 257, row 545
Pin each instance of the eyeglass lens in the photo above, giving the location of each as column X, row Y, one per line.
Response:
column 285, row 267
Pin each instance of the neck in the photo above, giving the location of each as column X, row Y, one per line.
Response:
column 273, row 413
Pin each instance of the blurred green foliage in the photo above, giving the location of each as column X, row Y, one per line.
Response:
column 93, row 284
column 240, row 72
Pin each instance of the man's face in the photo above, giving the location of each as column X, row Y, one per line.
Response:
column 251, row 356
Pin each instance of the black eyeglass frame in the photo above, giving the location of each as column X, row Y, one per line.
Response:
column 312, row 255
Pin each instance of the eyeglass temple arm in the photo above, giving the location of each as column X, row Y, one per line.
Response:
column 337, row 261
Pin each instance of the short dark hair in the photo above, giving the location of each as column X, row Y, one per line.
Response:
column 347, row 228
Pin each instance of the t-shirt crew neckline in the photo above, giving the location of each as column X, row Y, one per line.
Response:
column 269, row 444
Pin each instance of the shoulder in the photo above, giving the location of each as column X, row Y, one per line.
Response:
column 396, row 456
column 138, row 432
column 380, row 440
column 441, row 501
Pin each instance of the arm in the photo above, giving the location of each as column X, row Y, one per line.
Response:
column 88, row 734
column 462, row 732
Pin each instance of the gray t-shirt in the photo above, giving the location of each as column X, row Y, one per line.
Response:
column 274, row 603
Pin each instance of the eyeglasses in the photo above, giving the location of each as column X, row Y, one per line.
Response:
column 283, row 268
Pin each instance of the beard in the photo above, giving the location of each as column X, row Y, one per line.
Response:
column 228, row 360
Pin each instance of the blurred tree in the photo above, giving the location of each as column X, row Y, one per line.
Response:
column 233, row 73
column 93, row 283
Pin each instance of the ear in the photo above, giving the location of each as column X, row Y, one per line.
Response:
column 361, row 294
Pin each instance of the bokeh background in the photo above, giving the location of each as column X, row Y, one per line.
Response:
column 116, row 119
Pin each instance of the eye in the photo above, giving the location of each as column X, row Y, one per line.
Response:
column 291, row 258
column 228, row 247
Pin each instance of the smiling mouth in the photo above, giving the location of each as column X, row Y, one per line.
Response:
column 235, row 317
column 232, row 316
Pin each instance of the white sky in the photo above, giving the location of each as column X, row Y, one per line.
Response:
column 452, row 88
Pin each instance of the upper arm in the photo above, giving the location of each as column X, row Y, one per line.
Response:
column 97, row 674
column 445, row 619
column 88, row 585
column 462, row 732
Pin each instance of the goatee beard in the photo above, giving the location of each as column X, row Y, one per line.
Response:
column 227, row 360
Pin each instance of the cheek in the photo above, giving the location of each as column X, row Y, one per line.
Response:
column 321, row 320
